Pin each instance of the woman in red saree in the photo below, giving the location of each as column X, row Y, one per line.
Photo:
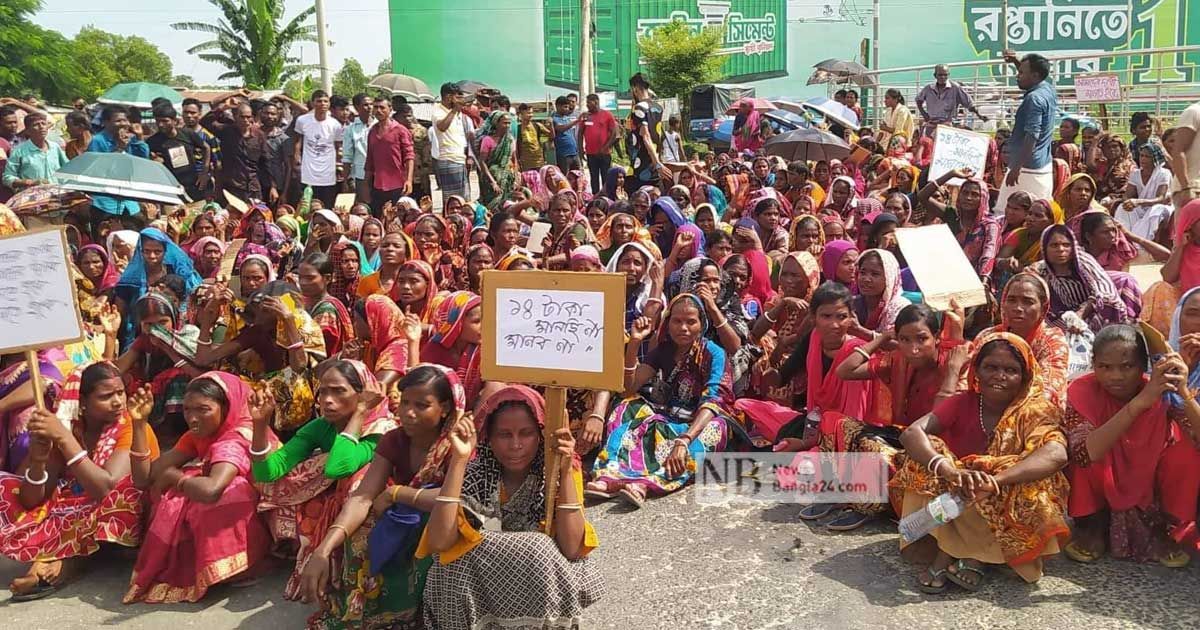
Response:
column 313, row 275
column 306, row 481
column 393, row 339
column 204, row 528
column 782, row 324
column 1130, row 462
column 437, row 245
column 454, row 340
column 84, row 494
column 999, row 447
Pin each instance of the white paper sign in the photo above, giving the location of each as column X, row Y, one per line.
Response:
column 957, row 148
column 940, row 267
column 1098, row 88
column 537, row 234
column 556, row 330
column 37, row 296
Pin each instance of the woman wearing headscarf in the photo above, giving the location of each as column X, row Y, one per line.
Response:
column 348, row 261
column 370, row 236
column 96, row 266
column 568, row 230
column 204, row 528
column 391, row 338
column 395, row 249
column 706, row 279
column 456, row 330
column 1132, row 467
column 437, row 246
column 878, row 298
column 324, row 231
column 1078, row 283
column 841, row 200
column 619, row 229
column 496, row 564
column 209, row 252
column 686, row 407
column 1147, row 204
column 155, row 257
column 1110, row 161
column 838, row 262
column 664, row 220
column 643, row 282
column 971, row 221
column 380, row 583
column 1180, row 274
column 161, row 357
column 780, row 327
column 747, row 135
column 313, row 275
column 498, row 163
column 77, row 491
column 1023, row 246
column 305, row 481
column 999, row 446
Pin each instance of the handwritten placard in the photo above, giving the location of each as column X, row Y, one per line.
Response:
column 957, row 148
column 37, row 296
column 554, row 328
column 1098, row 88
column 940, row 267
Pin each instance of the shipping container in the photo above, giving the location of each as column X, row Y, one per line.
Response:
column 755, row 45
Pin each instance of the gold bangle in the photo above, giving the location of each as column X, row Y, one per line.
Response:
column 393, row 491
column 442, row 499
column 345, row 532
column 570, row 506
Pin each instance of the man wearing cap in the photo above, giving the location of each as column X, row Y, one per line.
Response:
column 449, row 142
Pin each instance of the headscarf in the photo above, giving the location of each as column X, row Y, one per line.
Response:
column 370, row 263
column 643, row 289
column 586, row 252
column 698, row 355
column 1061, row 196
column 667, row 205
column 330, row 216
column 237, row 424
column 610, row 182
column 258, row 211
column 604, row 236
column 175, row 261
column 1099, row 285
column 292, row 224
column 264, row 260
column 127, row 237
column 110, row 276
column 759, row 286
column 883, row 318
column 426, row 271
column 747, row 138
column 697, row 238
column 448, row 320
column 1189, row 267
column 516, row 254
column 845, row 212
column 831, row 258
column 1193, row 380
column 343, row 286
column 1028, row 248
column 793, row 233
column 389, row 346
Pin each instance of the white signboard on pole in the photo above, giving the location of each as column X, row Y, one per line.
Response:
column 1098, row 88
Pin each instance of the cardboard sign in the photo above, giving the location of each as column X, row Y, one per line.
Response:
column 958, row 148
column 38, row 306
column 562, row 329
column 1098, row 88
column 344, row 201
column 236, row 202
column 940, row 267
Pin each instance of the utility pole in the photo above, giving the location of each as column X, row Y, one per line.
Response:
column 323, row 48
column 586, row 80
column 875, row 62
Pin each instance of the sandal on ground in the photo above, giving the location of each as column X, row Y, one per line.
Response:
column 848, row 520
column 39, row 590
column 816, row 511
column 956, row 575
column 598, row 489
column 929, row 587
column 634, row 495
column 1079, row 553
column 1175, row 559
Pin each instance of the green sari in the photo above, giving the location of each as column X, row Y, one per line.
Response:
column 499, row 163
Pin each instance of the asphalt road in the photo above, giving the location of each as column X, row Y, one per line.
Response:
column 677, row 564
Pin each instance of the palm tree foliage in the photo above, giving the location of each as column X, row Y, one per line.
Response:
column 250, row 43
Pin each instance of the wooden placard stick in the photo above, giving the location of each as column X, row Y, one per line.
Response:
column 556, row 418
column 35, row 379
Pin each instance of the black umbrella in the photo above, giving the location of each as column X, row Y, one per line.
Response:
column 842, row 71
column 474, row 87
column 809, row 144
column 841, row 67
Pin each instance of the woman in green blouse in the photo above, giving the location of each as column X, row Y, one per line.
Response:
column 303, row 492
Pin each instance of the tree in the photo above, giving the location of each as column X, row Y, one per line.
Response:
column 34, row 59
column 678, row 58
column 350, row 80
column 249, row 42
column 184, row 81
column 300, row 88
column 106, row 59
column 385, row 67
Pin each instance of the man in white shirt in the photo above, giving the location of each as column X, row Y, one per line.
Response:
column 354, row 143
column 1184, row 154
column 318, row 149
column 448, row 143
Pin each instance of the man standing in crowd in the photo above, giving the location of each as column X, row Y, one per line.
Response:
column 8, row 138
column 566, row 138
column 278, row 150
column 672, row 142
column 643, row 139
column 177, row 149
column 939, row 101
column 117, row 136
column 531, row 135
column 354, row 143
column 190, row 114
column 1028, row 148
column 1185, row 157
column 244, row 151
column 600, row 133
column 389, row 161
column 448, row 142
column 422, row 159
column 33, row 161
column 318, row 149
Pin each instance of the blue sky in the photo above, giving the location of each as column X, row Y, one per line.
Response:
column 357, row 28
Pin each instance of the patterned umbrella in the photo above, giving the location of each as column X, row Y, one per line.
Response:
column 120, row 175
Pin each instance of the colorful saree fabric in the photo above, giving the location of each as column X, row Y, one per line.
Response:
column 333, row 318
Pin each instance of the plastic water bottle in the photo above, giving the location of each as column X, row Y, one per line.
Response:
column 938, row 512
column 305, row 201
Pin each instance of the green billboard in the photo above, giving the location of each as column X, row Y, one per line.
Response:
column 530, row 48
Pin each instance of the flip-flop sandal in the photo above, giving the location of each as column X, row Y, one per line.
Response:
column 1175, row 560
column 599, row 494
column 1079, row 553
column 848, row 520
column 931, row 589
column 635, row 499
column 956, row 576
column 816, row 511
column 43, row 589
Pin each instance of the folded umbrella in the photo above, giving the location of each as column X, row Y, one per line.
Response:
column 121, row 175
column 810, row 144
column 139, row 94
column 403, row 85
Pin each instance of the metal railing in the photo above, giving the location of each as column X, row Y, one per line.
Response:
column 997, row 95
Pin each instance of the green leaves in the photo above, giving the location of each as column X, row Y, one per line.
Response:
column 678, row 58
column 250, row 43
